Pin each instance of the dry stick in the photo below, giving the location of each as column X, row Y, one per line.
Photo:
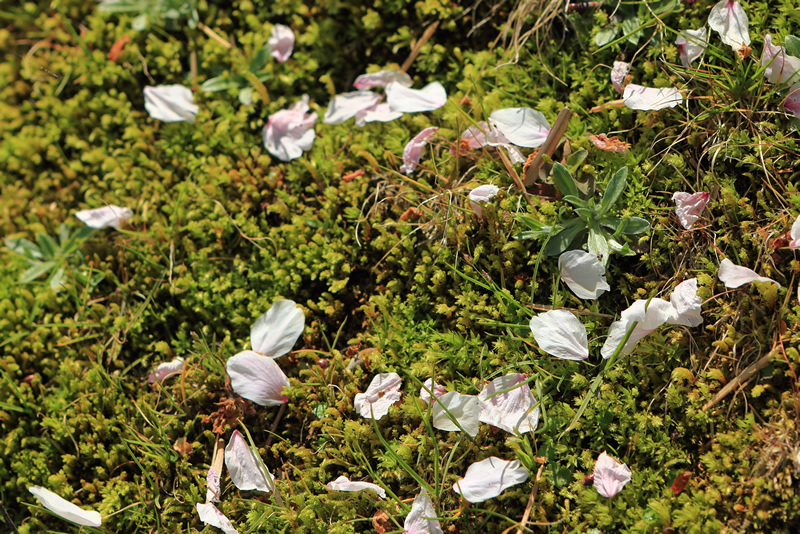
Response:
column 549, row 146
column 531, row 499
column 214, row 35
column 218, row 457
column 514, row 176
column 742, row 379
column 418, row 47
column 9, row 523
column 613, row 104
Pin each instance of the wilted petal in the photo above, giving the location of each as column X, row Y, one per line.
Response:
column 610, row 476
column 489, row 478
column 524, row 127
column 210, row 515
column 792, row 101
column 275, row 333
column 170, row 103
column 687, row 304
column 780, row 67
column 348, row 105
column 466, row 409
column 688, row 207
column 583, row 273
column 166, row 370
column 257, row 378
column 281, row 42
column 65, row 509
column 515, row 411
column 691, row 44
column 609, row 144
column 482, row 193
column 344, row 484
column 377, row 113
column 406, row 100
column 104, row 217
column 381, row 79
column 650, row 98
column 289, row 132
column 244, row 467
column 795, row 233
column 559, row 333
column 729, row 20
column 618, row 74
column 476, row 135
column 422, row 517
column 212, row 481
column 383, row 391
column 649, row 316
column 412, row 152
column 431, row 386
column 733, row 275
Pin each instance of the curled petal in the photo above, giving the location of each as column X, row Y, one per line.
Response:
column 422, row 517
column 378, row 113
column 583, row 273
column 406, row 100
column 466, row 409
column 212, row 481
column 687, row 304
column 275, row 333
column 779, row 67
column 489, row 478
column 412, row 152
column 523, row 127
column 381, row 79
column 281, row 42
column 166, row 370
column 244, row 467
column 65, row 509
column 648, row 316
column 210, row 515
column 348, row 105
column 431, row 387
column 515, row 411
column 650, row 98
column 345, row 484
column 290, row 132
column 691, row 44
column 476, row 135
column 482, row 193
column 170, row 103
column 618, row 74
column 795, row 233
column 105, row 216
column 729, row 20
column 383, row 391
column 688, row 207
column 733, row 275
column 560, row 334
column 257, row 378
column 792, row 101
column 610, row 476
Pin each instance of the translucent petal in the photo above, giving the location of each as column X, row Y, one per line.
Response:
column 649, row 316
column 779, row 67
column 213, row 489
column 559, row 333
column 170, row 103
column 733, row 275
column 345, row 484
column 583, row 273
column 105, row 216
column 489, row 478
column 729, row 20
column 692, row 44
column 383, row 391
column 281, row 42
column 413, row 150
column 275, row 333
column 257, row 378
column 166, row 370
column 422, row 517
column 687, row 304
column 244, row 467
column 65, row 509
column 377, row 113
column 515, row 411
column 618, row 74
column 482, row 193
column 610, row 476
column 347, row 105
column 689, row 207
column 795, row 233
column 465, row 408
column 289, row 132
column 430, row 386
column 210, row 515
column 476, row 135
column 381, row 79
column 650, row 98
column 406, row 100
column 524, row 127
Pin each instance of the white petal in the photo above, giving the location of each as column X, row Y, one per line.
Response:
column 583, row 273
column 692, row 44
column 281, row 42
column 345, row 484
column 650, row 98
column 166, row 370
column 559, row 333
column 610, row 476
column 275, row 333
column 382, row 79
column 383, row 391
column 105, row 216
column 515, row 411
column 524, row 127
column 289, row 132
column 431, row 387
column 687, row 304
column 244, row 466
column 377, row 113
column 648, row 317
column 347, row 105
column 779, row 67
column 210, row 515
column 618, row 74
column 257, row 378
column 489, row 478
column 729, row 20
column 212, row 481
column 465, row 408
column 482, row 193
column 422, row 517
column 65, row 509
column 406, row 100
column 733, row 275
column 476, row 135
column 795, row 233
column 170, row 103
column 689, row 207
column 413, row 150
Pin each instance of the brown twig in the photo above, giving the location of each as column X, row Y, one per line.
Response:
column 214, row 35
column 740, row 380
column 613, row 104
column 418, row 47
column 549, row 146
column 531, row 499
column 7, row 518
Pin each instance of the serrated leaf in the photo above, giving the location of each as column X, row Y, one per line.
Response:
column 563, row 180
column 614, row 190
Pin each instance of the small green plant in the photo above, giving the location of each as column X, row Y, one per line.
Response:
column 58, row 259
column 593, row 219
column 161, row 12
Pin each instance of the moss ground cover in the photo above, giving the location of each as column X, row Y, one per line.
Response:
column 393, row 272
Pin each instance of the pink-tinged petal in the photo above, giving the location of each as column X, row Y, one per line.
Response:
column 105, row 216
column 431, row 387
column 406, row 100
column 692, row 44
column 65, row 509
column 257, row 378
column 481, row 194
column 170, row 103
column 466, row 409
column 422, row 517
column 476, row 135
column 281, row 42
column 494, row 137
column 515, row 411
column 523, row 127
column 383, row 391
column 780, row 67
column 795, row 233
column 412, row 152
column 610, row 476
column 792, row 101
column 689, row 207
column 733, row 275
column 275, row 333
column 649, row 316
column 210, row 515
column 345, row 484
column 583, row 273
column 244, row 467
column 618, row 74
column 489, row 478
column 729, row 20
column 289, row 132
column 559, row 333
column 650, row 98
column 377, row 113
column 381, row 79
column 166, row 370
column 687, row 304
column 348, row 105
column 212, row 481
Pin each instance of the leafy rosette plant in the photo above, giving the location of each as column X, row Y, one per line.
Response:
column 591, row 220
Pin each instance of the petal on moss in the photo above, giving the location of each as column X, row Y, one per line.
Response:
column 257, row 378
column 65, row 509
column 413, row 150
column 105, row 216
column 618, row 74
column 481, row 194
column 347, row 105
column 792, row 101
column 523, row 127
column 244, row 467
column 733, row 275
column 515, row 411
column 381, row 79
column 213, row 489
column 583, row 273
column 466, row 409
column 383, row 391
column 281, row 42
column 345, row 484
column 689, row 207
column 275, row 333
column 691, row 44
column 687, row 304
column 795, row 233
column 476, row 135
column 559, row 333
column 431, row 387
column 610, row 476
column 779, row 67
column 729, row 20
column 650, row 98
column 406, row 100
column 648, row 316
column 290, row 132
column 166, row 370
column 489, row 478
column 210, row 515
column 381, row 112
column 170, row 103
column 422, row 517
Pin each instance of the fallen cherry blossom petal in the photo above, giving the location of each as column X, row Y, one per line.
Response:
column 275, row 333
column 476, row 135
column 583, row 273
column 482, row 193
column 105, row 216
column 489, row 478
column 466, row 409
column 430, row 386
column 383, row 391
column 496, row 138
column 170, row 103
column 290, row 132
column 244, row 467
column 610, row 476
column 422, row 517
column 381, row 112
column 345, row 484
column 257, row 378
column 381, row 79
column 406, row 100
column 559, row 333
column 166, row 370
column 210, row 515
column 779, row 67
column 65, row 509
column 515, row 411
column 795, row 233
column 281, row 42
column 347, row 105
column 691, row 45
column 687, row 304
column 213, row 489
column 618, row 74
column 792, row 100
column 412, row 152
column 650, row 98
column 733, row 275
column 648, row 316
column 729, row 20
column 689, row 207
column 523, row 127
